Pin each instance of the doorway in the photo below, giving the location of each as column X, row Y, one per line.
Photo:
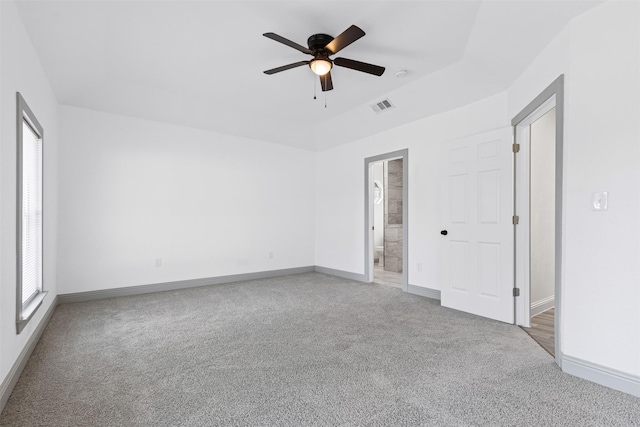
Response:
column 386, row 219
column 387, row 222
column 538, row 209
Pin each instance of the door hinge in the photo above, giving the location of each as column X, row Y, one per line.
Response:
column 516, row 292
column 515, row 220
column 515, row 148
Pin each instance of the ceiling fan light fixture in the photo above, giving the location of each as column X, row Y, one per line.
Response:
column 320, row 66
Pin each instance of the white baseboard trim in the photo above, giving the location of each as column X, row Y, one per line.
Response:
column 182, row 284
column 18, row 366
column 602, row 375
column 340, row 273
column 542, row 305
column 424, row 292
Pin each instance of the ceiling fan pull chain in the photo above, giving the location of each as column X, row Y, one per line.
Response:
column 315, row 85
column 325, row 100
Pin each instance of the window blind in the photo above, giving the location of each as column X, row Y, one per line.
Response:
column 31, row 214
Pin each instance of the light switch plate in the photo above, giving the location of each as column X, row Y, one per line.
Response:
column 600, row 201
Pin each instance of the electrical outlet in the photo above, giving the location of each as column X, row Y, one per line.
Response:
column 158, row 262
column 419, row 267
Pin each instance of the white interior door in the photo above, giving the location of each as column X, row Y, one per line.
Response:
column 477, row 213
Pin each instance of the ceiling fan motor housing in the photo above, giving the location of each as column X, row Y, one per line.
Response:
column 317, row 43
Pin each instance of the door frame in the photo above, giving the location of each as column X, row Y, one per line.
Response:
column 368, row 214
column 522, row 167
column 521, row 241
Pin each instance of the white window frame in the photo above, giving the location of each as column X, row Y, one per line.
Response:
column 24, row 312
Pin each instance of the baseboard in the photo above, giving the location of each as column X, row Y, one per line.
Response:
column 542, row 305
column 341, row 273
column 18, row 366
column 194, row 283
column 424, row 292
column 412, row 289
column 182, row 284
column 602, row 375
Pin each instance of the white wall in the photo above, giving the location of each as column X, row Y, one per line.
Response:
column 543, row 211
column 340, row 198
column 20, row 71
column 598, row 53
column 207, row 204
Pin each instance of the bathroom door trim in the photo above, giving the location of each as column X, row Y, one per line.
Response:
column 368, row 214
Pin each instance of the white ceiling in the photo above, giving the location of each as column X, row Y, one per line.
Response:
column 200, row 63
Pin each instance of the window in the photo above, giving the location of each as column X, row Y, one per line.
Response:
column 29, row 214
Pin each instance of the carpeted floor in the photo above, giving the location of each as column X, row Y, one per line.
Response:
column 299, row 350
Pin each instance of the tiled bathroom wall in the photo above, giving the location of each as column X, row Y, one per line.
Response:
column 393, row 217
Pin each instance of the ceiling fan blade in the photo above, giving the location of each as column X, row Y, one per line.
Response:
column 326, row 82
column 350, row 35
column 286, row 67
column 274, row 36
column 359, row 66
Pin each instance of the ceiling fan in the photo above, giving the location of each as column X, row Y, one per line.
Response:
column 321, row 46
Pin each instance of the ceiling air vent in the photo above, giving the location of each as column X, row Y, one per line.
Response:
column 381, row 106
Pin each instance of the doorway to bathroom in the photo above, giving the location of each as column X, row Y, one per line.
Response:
column 386, row 219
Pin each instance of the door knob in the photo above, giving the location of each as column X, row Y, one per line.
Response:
column 444, row 232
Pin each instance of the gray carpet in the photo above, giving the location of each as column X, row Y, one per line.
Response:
column 300, row 350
